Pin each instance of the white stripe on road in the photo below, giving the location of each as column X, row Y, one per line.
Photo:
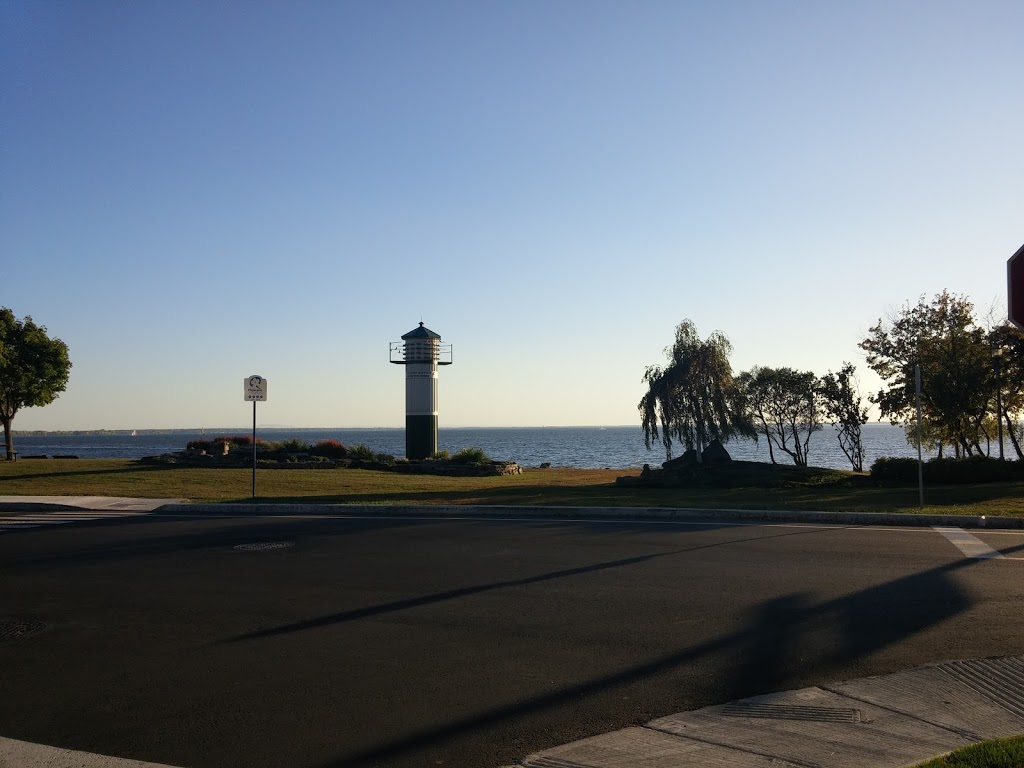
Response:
column 71, row 514
column 21, row 522
column 66, row 516
column 969, row 544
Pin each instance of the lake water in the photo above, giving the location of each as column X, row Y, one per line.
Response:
column 584, row 447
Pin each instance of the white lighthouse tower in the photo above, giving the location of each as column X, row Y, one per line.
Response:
column 420, row 351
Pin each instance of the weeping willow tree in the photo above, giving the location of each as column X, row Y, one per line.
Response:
column 693, row 400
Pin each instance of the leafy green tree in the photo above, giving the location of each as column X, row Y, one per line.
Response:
column 842, row 405
column 33, row 369
column 693, row 399
column 956, row 368
column 783, row 405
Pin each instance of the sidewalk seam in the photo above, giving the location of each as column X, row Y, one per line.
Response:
column 962, row 733
column 722, row 745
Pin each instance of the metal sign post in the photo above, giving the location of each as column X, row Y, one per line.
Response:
column 254, row 388
column 920, row 460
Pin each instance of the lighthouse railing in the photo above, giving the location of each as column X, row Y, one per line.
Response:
column 403, row 353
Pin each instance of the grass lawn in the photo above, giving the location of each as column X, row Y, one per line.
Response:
column 823, row 490
column 1001, row 753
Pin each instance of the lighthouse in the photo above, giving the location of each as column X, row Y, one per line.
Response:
column 420, row 351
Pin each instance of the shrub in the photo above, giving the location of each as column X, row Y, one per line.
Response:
column 331, row 449
column 440, row 456
column 974, row 469
column 199, row 445
column 471, row 456
column 245, row 441
column 895, row 469
column 384, row 458
column 292, row 446
column 361, row 452
column 240, row 441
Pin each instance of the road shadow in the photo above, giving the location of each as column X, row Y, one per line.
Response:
column 865, row 621
column 438, row 597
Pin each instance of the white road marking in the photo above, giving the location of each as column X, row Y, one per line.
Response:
column 67, row 515
column 37, row 520
column 969, row 544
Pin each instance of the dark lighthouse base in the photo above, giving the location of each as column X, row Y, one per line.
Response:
column 420, row 437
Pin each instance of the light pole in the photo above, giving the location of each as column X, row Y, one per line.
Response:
column 997, row 357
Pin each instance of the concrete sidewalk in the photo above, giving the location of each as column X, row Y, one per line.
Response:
column 24, row 754
column 876, row 722
column 96, row 503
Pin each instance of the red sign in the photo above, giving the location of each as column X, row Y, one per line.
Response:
column 1015, row 288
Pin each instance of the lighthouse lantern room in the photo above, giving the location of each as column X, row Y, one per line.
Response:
column 420, row 351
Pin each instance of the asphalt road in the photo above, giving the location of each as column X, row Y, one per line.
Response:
column 419, row 642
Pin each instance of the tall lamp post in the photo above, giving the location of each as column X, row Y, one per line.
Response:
column 997, row 357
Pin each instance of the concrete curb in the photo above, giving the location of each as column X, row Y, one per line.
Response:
column 888, row 721
column 600, row 513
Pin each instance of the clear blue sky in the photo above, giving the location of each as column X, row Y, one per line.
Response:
column 192, row 192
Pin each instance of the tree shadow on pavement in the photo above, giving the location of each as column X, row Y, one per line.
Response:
column 400, row 605
column 864, row 622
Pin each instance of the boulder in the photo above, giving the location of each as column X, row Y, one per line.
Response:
column 715, row 454
column 688, row 459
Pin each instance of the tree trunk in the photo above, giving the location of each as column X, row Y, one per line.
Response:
column 966, row 446
column 8, row 437
column 1013, row 435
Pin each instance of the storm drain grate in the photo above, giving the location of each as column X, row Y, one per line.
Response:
column 999, row 680
column 260, row 546
column 793, row 712
column 11, row 629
